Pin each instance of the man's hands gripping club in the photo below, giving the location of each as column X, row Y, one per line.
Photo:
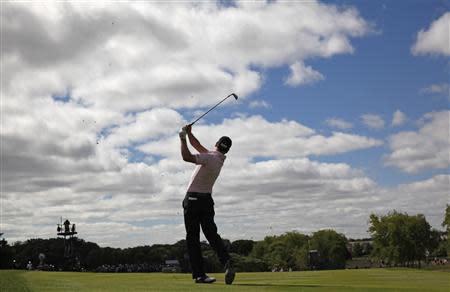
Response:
column 182, row 134
column 185, row 152
column 186, row 130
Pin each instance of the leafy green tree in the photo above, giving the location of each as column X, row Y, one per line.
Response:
column 446, row 224
column 211, row 262
column 357, row 250
column 249, row 264
column 261, row 248
column 180, row 253
column 400, row 239
column 440, row 250
column 242, row 247
column 282, row 251
column 438, row 246
column 332, row 248
column 367, row 248
column 301, row 258
column 6, row 255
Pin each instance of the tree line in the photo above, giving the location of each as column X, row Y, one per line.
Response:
column 397, row 239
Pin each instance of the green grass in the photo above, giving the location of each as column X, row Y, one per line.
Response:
column 340, row 280
column 12, row 281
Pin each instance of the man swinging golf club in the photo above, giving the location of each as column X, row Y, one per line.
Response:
column 198, row 204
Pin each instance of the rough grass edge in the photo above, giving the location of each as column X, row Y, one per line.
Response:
column 13, row 281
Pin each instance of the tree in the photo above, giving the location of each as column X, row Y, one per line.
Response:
column 248, row 264
column 357, row 250
column 6, row 255
column 242, row 247
column 446, row 224
column 282, row 251
column 211, row 262
column 301, row 258
column 332, row 248
column 400, row 239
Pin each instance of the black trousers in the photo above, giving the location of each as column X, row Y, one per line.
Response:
column 199, row 212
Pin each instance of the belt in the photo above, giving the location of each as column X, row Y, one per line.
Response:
column 195, row 195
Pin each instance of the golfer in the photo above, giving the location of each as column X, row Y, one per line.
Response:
column 198, row 204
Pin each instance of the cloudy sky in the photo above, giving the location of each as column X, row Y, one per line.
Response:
column 343, row 111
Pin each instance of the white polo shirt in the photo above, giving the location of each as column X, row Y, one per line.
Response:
column 208, row 169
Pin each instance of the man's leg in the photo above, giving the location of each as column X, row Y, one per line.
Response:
column 210, row 230
column 192, row 225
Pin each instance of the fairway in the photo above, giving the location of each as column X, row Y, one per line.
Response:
column 340, row 280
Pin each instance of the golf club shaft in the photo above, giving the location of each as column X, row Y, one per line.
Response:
column 211, row 109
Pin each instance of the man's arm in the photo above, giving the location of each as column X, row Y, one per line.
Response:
column 185, row 153
column 194, row 142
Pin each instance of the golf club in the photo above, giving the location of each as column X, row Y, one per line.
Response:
column 233, row 94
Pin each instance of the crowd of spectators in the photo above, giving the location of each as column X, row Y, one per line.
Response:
column 129, row 268
column 439, row 262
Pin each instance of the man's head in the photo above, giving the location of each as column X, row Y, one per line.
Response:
column 224, row 144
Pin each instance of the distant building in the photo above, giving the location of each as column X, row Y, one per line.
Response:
column 365, row 243
column 171, row 266
column 313, row 259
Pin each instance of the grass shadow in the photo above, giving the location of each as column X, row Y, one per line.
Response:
column 300, row 287
column 280, row 285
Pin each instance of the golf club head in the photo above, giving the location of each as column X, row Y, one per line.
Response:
column 234, row 95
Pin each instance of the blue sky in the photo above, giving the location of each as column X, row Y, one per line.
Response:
column 380, row 77
column 94, row 94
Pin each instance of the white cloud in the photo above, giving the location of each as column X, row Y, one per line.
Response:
column 428, row 197
column 129, row 70
column 427, row 148
column 302, row 75
column 398, row 118
column 442, row 88
column 298, row 194
column 152, row 124
column 373, row 121
column 435, row 40
column 145, row 54
column 259, row 104
column 254, row 136
column 105, row 189
column 339, row 123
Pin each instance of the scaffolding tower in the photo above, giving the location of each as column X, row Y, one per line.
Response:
column 67, row 230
